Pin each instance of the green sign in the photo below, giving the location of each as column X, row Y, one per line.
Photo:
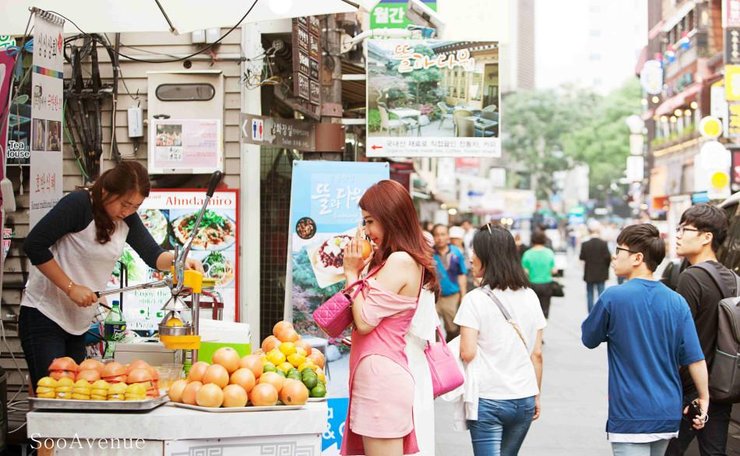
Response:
column 392, row 14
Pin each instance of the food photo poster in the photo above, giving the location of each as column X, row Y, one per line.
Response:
column 324, row 215
column 170, row 216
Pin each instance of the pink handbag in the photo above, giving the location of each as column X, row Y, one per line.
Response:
column 335, row 314
column 446, row 374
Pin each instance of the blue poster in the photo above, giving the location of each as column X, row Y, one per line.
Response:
column 324, row 215
column 331, row 439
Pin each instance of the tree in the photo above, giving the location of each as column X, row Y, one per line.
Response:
column 536, row 123
column 602, row 142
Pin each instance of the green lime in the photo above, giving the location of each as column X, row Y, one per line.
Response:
column 307, row 370
column 310, row 381
column 281, row 373
column 269, row 367
column 294, row 374
column 319, row 390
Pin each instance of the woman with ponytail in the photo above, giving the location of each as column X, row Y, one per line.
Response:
column 74, row 249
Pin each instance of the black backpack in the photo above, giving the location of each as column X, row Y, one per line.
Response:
column 724, row 376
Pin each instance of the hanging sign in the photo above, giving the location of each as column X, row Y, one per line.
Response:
column 277, row 132
column 46, row 115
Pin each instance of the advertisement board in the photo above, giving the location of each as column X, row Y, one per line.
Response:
column 169, row 215
column 433, row 98
column 185, row 146
column 47, row 100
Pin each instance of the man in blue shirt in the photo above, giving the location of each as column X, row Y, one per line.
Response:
column 451, row 270
column 650, row 333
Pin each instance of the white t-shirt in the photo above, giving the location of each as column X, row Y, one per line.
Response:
column 505, row 370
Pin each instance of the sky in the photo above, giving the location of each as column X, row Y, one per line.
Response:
column 592, row 43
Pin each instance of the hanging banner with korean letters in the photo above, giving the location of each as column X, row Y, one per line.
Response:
column 433, row 98
column 46, row 115
column 6, row 76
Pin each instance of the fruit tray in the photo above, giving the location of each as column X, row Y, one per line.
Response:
column 317, row 399
column 36, row 403
column 251, row 408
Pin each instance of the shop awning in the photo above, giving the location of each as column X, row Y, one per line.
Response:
column 111, row 16
column 678, row 100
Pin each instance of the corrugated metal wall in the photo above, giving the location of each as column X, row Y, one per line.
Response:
column 132, row 90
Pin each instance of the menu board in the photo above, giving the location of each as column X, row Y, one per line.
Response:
column 169, row 215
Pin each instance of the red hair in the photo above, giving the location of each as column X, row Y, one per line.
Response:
column 389, row 203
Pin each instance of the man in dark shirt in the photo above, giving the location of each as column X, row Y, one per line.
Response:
column 596, row 260
column 700, row 233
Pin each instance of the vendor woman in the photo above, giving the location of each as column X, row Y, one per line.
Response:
column 73, row 250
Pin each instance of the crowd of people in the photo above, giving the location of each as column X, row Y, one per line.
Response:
column 491, row 296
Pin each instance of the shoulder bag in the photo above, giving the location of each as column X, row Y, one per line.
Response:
column 446, row 374
column 335, row 314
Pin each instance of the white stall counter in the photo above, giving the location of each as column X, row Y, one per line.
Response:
column 173, row 431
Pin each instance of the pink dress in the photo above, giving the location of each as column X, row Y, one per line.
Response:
column 381, row 387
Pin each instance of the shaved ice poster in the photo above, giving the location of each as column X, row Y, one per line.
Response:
column 324, row 215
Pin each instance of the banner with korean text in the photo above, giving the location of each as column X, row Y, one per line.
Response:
column 433, row 98
column 47, row 99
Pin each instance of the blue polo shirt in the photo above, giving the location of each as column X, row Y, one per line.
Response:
column 448, row 277
column 650, row 333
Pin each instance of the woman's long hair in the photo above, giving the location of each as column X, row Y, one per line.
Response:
column 126, row 177
column 495, row 247
column 390, row 204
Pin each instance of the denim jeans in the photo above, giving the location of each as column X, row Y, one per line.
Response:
column 656, row 448
column 591, row 287
column 43, row 340
column 712, row 438
column 501, row 426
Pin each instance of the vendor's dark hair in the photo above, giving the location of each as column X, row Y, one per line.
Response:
column 494, row 246
column 126, row 177
column 709, row 219
column 644, row 238
column 390, row 204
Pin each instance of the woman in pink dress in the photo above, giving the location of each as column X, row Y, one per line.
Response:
column 381, row 387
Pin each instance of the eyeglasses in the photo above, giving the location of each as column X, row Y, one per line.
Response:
column 682, row 229
column 488, row 225
column 623, row 249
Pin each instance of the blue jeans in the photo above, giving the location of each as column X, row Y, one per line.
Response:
column 592, row 287
column 656, row 448
column 501, row 426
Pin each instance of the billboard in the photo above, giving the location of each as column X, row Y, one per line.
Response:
column 433, row 98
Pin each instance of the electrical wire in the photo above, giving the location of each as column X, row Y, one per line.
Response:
column 180, row 59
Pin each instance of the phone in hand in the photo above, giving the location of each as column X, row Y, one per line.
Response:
column 693, row 412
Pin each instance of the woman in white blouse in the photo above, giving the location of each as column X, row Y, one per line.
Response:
column 508, row 357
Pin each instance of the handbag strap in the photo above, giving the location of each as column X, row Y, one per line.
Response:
column 487, row 290
column 361, row 281
column 441, row 338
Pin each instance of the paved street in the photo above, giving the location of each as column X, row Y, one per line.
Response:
column 574, row 391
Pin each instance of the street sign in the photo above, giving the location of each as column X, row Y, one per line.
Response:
column 732, row 46
column 733, row 127
column 273, row 131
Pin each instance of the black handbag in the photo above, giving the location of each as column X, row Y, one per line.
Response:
column 558, row 290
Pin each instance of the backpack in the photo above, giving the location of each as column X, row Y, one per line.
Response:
column 724, row 375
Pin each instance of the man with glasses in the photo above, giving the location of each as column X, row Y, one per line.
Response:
column 702, row 230
column 649, row 332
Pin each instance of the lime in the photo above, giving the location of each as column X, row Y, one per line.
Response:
column 269, row 367
column 281, row 373
column 319, row 390
column 294, row 374
column 309, row 379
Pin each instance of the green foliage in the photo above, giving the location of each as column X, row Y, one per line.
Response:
column 602, row 142
column 373, row 120
column 536, row 123
column 553, row 130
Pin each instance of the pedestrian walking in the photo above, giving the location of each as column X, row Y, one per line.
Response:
column 539, row 263
column 381, row 385
column 507, row 352
column 452, row 271
column 701, row 231
column 649, row 333
column 596, row 259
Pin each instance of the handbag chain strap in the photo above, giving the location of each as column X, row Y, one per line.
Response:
column 507, row 316
column 362, row 281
